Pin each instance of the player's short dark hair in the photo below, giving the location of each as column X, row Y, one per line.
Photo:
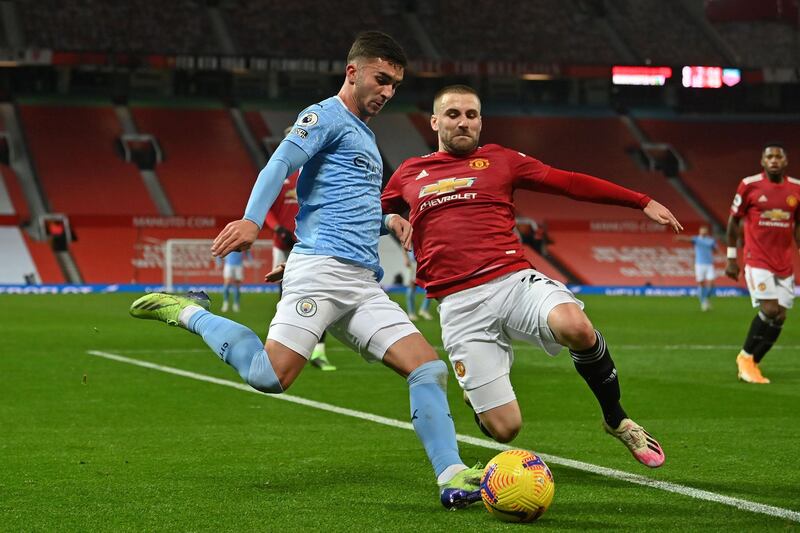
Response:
column 373, row 44
column 457, row 89
column 773, row 145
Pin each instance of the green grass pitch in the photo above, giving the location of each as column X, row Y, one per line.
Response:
column 92, row 444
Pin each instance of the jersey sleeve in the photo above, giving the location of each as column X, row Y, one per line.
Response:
column 272, row 217
column 739, row 205
column 528, row 172
column 392, row 200
column 314, row 129
column 588, row 188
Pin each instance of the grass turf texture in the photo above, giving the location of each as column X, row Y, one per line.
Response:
column 92, row 444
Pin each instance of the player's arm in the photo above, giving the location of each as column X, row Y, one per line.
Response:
column 393, row 203
column 240, row 234
column 732, row 237
column 797, row 235
column 588, row 188
column 733, row 232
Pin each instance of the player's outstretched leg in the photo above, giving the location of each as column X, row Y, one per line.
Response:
column 234, row 343
column 597, row 369
column 430, row 416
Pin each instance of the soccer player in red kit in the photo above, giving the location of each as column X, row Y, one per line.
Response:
column 767, row 205
column 280, row 219
column 461, row 210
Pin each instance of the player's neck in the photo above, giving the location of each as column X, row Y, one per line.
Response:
column 774, row 178
column 348, row 99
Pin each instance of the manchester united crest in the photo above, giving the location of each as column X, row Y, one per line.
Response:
column 791, row 200
column 479, row 164
column 460, row 369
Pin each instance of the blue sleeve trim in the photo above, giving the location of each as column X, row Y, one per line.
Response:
column 287, row 159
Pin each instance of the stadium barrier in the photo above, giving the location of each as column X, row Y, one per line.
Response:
column 605, row 290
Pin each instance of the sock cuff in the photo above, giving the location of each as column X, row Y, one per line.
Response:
column 593, row 354
column 190, row 315
column 430, row 372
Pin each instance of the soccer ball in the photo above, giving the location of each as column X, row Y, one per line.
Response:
column 517, row 486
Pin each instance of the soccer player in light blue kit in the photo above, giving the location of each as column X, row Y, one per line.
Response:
column 232, row 276
column 411, row 290
column 704, row 247
column 331, row 276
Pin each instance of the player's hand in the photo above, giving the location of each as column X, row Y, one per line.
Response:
column 276, row 274
column 657, row 212
column 732, row 269
column 237, row 236
column 402, row 230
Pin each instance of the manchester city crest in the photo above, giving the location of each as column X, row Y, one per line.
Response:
column 306, row 307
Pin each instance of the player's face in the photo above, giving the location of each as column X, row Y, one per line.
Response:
column 375, row 82
column 703, row 231
column 774, row 160
column 458, row 122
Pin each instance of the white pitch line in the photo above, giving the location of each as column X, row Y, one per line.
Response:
column 699, row 494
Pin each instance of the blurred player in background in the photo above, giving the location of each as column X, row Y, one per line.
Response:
column 704, row 247
column 331, row 276
column 411, row 290
column 232, row 276
column 281, row 220
column 470, row 259
column 766, row 205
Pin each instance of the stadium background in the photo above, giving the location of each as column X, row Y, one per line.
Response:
column 127, row 124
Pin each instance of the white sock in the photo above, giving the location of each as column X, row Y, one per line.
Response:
column 449, row 473
column 187, row 313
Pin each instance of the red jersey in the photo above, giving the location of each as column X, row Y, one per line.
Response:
column 462, row 211
column 770, row 211
column 284, row 210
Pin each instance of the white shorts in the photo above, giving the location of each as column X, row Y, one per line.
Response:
column 704, row 272
column 478, row 325
column 233, row 272
column 278, row 256
column 321, row 292
column 764, row 285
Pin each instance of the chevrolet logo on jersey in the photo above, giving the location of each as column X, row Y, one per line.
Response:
column 445, row 186
column 776, row 214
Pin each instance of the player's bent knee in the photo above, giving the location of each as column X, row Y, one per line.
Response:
column 262, row 377
column 275, row 373
column 571, row 327
column 578, row 335
column 503, row 430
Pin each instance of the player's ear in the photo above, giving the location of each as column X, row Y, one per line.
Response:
column 351, row 72
column 434, row 123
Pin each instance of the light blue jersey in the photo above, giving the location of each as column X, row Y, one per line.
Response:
column 704, row 249
column 339, row 188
